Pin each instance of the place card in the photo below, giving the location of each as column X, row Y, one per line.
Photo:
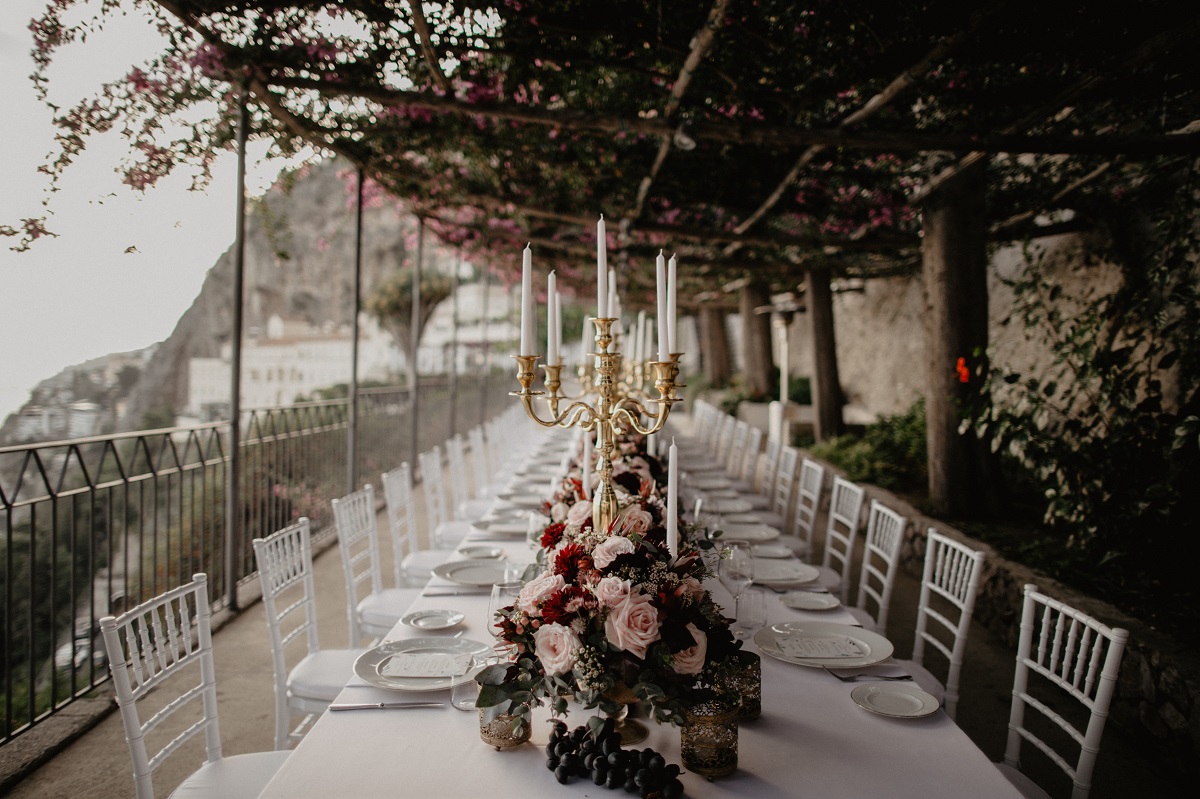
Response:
column 426, row 664
column 821, row 647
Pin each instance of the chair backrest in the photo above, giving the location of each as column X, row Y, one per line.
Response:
column 881, row 556
column 724, row 437
column 785, row 482
column 949, row 584
column 147, row 645
column 808, row 501
column 397, row 495
column 431, row 487
column 1076, row 654
column 845, row 506
column 480, row 462
column 285, row 572
column 770, row 466
column 736, row 455
column 459, row 488
column 358, row 542
column 754, row 439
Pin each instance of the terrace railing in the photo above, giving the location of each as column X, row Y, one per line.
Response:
column 93, row 526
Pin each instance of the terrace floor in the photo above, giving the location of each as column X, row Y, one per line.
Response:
column 97, row 763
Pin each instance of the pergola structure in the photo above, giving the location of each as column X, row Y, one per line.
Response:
column 775, row 146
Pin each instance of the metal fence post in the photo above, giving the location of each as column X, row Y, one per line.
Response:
column 352, row 428
column 233, row 516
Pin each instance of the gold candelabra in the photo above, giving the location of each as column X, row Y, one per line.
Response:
column 611, row 413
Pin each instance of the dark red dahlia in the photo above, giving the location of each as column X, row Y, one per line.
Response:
column 570, row 561
column 552, row 535
column 564, row 605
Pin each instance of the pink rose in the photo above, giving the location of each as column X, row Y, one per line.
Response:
column 580, row 512
column 608, row 550
column 538, row 590
column 558, row 512
column 611, row 591
column 690, row 590
column 634, row 519
column 555, row 647
column 633, row 624
column 691, row 660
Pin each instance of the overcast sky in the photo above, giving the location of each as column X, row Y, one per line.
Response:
column 81, row 295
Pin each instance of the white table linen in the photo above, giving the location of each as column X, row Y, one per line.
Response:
column 811, row 740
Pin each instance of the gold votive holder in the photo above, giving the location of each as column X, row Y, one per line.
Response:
column 503, row 732
column 709, row 737
column 745, row 681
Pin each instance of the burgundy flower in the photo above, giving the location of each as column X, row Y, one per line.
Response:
column 564, row 605
column 552, row 535
column 570, row 561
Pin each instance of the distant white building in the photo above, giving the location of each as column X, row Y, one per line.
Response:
column 293, row 359
column 485, row 321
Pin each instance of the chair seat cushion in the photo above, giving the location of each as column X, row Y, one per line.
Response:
column 472, row 509
column 384, row 609
column 830, row 580
column 863, row 617
column 1027, row 787
column 232, row 777
column 449, row 534
column 322, row 674
column 419, row 565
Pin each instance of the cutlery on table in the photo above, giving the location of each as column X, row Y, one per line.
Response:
column 384, row 705
column 468, row 592
column 856, row 677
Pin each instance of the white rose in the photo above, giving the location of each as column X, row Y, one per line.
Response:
column 633, row 624
column 611, row 591
column 608, row 550
column 558, row 511
column 580, row 512
column 555, row 647
column 691, row 660
column 538, row 590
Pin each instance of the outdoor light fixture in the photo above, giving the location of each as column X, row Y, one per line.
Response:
column 682, row 138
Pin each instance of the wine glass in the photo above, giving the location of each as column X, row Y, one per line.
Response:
column 504, row 594
column 736, row 570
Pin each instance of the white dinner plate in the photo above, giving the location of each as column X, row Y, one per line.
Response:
column 754, row 533
column 471, row 572
column 725, row 505
column 810, row 600
column 503, row 527
column 819, row 644
column 522, row 499
column 771, row 551
column 894, row 699
column 770, row 570
column 710, row 482
column 370, row 664
column 432, row 619
column 482, row 552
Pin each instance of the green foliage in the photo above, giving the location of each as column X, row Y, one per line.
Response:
column 890, row 453
column 391, row 304
column 1108, row 427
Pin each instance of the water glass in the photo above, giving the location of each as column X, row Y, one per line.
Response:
column 504, row 594
column 464, row 694
column 751, row 614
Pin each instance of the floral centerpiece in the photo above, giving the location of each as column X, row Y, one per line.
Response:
column 610, row 616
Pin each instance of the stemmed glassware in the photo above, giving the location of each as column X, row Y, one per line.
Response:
column 751, row 614
column 736, row 570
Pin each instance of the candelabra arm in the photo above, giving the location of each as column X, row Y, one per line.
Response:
column 631, row 411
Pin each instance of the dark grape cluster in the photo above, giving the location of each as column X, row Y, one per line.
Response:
column 596, row 754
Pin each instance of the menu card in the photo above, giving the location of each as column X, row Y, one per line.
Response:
column 821, row 647
column 426, row 664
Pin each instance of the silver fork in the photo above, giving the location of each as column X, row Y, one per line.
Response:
column 855, row 677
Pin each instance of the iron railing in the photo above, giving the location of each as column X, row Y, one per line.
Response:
column 95, row 525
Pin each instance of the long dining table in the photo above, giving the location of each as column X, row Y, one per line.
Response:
column 812, row 739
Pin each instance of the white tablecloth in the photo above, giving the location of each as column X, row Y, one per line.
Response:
column 811, row 741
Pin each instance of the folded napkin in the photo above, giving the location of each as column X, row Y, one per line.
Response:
column 878, row 670
column 426, row 664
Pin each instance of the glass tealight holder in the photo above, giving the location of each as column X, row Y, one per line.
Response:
column 502, row 732
column 745, row 682
column 709, row 737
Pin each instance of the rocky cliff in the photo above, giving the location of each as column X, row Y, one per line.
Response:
column 299, row 262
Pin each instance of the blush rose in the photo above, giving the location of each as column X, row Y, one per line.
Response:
column 633, row 624
column 555, row 646
column 538, row 590
column 608, row 550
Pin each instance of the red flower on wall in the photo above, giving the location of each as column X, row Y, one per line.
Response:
column 964, row 374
